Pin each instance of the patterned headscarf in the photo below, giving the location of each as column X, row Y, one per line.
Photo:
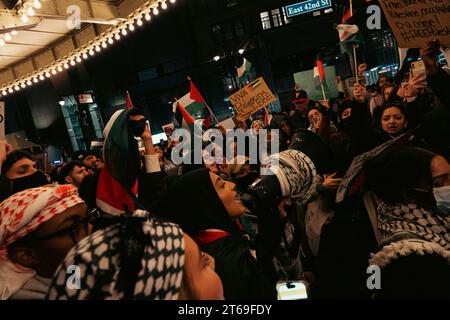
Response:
column 20, row 215
column 295, row 172
column 157, row 277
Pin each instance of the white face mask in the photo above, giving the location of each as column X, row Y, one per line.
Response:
column 442, row 196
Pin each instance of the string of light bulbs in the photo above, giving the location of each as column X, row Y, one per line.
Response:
column 93, row 47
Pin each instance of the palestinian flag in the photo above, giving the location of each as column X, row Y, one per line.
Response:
column 349, row 34
column 243, row 70
column 319, row 70
column 129, row 104
column 190, row 105
column 117, row 186
column 255, row 84
column 347, row 14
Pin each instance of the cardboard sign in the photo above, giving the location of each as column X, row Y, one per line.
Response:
column 251, row 98
column 415, row 22
column 357, row 164
column 2, row 120
column 227, row 124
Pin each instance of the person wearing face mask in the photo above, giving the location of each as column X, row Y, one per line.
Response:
column 18, row 173
column 415, row 232
column 440, row 170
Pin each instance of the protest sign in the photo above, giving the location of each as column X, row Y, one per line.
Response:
column 415, row 22
column 251, row 98
column 353, row 179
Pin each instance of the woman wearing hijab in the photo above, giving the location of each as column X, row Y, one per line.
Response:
column 138, row 257
column 37, row 228
column 207, row 208
column 414, row 230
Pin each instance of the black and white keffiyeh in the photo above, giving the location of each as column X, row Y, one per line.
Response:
column 410, row 221
column 97, row 258
column 295, row 172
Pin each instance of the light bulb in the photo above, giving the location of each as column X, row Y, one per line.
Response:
column 117, row 36
column 35, row 80
column 10, row 90
column 110, row 41
column 72, row 63
column 66, row 65
column 131, row 27
column 78, row 59
column 37, row 4
column 97, row 48
column 91, row 52
column 172, row 1
column 164, row 5
column 47, row 74
column 85, row 56
column 23, row 85
column 124, row 32
column 30, row 11
column 24, row 18
column 16, row 88
column 60, row 69
column 41, row 77
column 53, row 71
column 148, row 17
column 139, row 22
column 29, row 82
column 155, row 11
column 8, row 37
column 4, row 92
column 104, row 45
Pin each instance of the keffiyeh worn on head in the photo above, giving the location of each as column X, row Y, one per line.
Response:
column 158, row 276
column 20, row 215
column 295, row 172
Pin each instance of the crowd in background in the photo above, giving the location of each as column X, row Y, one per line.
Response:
column 139, row 226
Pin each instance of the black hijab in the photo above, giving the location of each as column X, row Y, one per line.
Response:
column 193, row 203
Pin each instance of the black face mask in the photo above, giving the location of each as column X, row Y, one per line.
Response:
column 34, row 180
column 137, row 127
column 10, row 187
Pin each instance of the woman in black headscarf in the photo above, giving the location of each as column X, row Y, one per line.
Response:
column 207, row 208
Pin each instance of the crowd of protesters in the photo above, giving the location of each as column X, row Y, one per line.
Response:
column 138, row 225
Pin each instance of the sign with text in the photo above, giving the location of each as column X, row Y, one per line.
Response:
column 251, row 98
column 306, row 6
column 2, row 120
column 415, row 22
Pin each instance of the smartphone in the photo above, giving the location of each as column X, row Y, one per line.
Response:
column 417, row 67
column 292, row 290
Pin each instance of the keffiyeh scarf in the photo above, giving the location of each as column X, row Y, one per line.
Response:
column 296, row 174
column 21, row 214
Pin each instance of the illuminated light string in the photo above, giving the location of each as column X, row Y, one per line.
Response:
column 90, row 49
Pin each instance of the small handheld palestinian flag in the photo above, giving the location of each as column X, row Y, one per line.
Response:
column 129, row 104
column 243, row 71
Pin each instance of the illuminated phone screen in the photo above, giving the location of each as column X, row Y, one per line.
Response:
column 292, row 290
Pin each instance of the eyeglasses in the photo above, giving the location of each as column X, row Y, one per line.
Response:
column 78, row 230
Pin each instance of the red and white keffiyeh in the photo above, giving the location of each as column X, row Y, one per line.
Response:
column 21, row 214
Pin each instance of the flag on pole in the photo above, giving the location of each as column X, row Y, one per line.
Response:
column 129, row 104
column 319, row 71
column 347, row 14
column 243, row 70
column 349, row 34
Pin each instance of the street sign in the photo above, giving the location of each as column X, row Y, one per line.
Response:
column 306, row 6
